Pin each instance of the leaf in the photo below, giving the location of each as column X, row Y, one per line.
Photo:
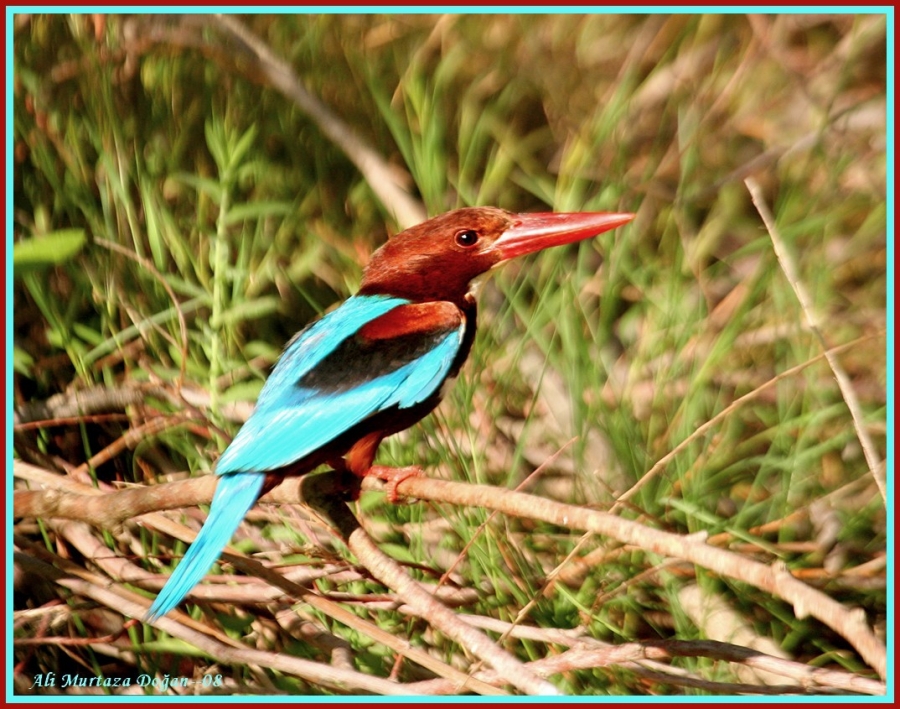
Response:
column 22, row 362
column 257, row 210
column 202, row 184
column 173, row 646
column 42, row 252
column 243, row 145
column 249, row 310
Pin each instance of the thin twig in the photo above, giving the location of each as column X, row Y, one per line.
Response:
column 147, row 264
column 375, row 170
column 99, row 589
column 131, row 438
column 389, row 572
column 701, row 431
column 775, row 579
column 85, row 401
column 876, row 465
column 81, row 402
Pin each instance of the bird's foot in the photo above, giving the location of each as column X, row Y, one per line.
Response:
column 393, row 477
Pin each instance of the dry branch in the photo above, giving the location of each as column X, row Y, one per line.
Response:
column 99, row 589
column 774, row 579
column 389, row 572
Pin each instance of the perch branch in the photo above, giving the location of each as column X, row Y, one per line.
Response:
column 774, row 579
column 390, row 573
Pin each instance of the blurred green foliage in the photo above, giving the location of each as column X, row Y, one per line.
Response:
column 177, row 218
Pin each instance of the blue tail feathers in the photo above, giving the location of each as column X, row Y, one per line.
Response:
column 235, row 495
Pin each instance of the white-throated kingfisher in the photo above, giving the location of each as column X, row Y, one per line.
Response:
column 372, row 367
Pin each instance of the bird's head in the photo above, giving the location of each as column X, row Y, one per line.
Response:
column 439, row 259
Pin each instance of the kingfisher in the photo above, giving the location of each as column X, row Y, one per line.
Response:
column 374, row 366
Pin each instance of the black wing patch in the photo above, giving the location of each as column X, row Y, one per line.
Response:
column 357, row 361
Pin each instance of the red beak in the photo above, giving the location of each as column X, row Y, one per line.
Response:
column 533, row 232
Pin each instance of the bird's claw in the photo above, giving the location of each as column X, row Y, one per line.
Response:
column 393, row 477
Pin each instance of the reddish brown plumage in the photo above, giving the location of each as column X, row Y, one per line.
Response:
column 413, row 319
column 438, row 259
column 426, row 263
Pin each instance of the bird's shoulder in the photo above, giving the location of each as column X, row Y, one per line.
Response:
column 414, row 319
column 365, row 337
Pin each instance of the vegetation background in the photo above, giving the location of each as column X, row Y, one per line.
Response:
column 183, row 205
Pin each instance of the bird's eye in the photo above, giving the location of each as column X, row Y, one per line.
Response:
column 467, row 238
